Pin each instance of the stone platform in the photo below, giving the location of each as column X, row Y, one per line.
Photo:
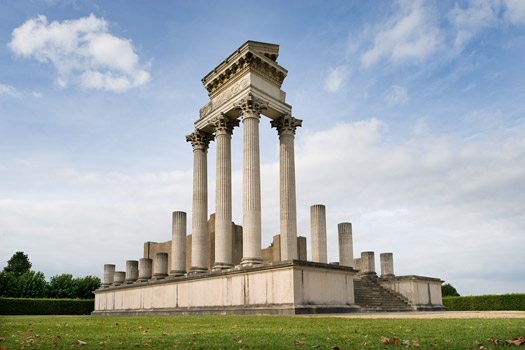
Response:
column 285, row 288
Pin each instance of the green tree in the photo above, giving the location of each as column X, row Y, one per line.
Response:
column 448, row 291
column 32, row 285
column 62, row 286
column 18, row 264
column 8, row 284
column 85, row 286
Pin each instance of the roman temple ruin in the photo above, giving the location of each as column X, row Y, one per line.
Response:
column 221, row 267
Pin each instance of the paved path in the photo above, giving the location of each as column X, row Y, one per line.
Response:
column 438, row 314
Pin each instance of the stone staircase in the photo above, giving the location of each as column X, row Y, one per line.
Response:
column 371, row 297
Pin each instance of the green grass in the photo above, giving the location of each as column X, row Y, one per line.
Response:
column 252, row 332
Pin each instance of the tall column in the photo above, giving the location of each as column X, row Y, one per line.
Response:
column 200, row 141
column 223, row 198
column 286, row 126
column 318, row 233
column 251, row 107
column 346, row 249
column 387, row 264
column 178, row 244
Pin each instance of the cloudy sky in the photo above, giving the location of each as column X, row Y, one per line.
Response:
column 414, row 128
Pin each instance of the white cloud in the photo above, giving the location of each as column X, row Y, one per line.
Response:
column 515, row 11
column 11, row 91
column 410, row 35
column 82, row 51
column 397, row 96
column 336, row 79
column 425, row 198
column 420, row 128
column 469, row 21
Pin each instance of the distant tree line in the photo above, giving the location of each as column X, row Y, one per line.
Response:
column 17, row 280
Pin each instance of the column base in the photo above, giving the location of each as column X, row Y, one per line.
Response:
column 221, row 266
column 251, row 261
column 159, row 276
column 176, row 273
column 142, row 280
column 129, row 282
column 196, row 270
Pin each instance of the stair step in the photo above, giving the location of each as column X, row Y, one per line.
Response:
column 372, row 297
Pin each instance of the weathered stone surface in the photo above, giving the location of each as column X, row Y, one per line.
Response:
column 109, row 275
column 178, row 244
column 368, row 265
column 318, row 233
column 346, row 246
column 132, row 271
column 145, row 269
column 286, row 126
column 387, row 264
column 200, row 141
column 160, row 267
column 291, row 287
column 119, row 278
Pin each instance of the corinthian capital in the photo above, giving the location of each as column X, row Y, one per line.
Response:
column 251, row 105
column 200, row 139
column 286, row 124
column 224, row 124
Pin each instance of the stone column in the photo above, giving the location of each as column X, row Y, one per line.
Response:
column 109, row 275
column 346, row 249
column 120, row 277
column 145, row 269
column 132, row 271
column 200, row 141
column 160, row 267
column 286, row 126
column 387, row 264
column 223, row 198
column 251, row 107
column 178, row 244
column 318, row 233
column 357, row 264
column 368, row 265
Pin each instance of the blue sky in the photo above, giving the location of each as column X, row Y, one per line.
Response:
column 414, row 128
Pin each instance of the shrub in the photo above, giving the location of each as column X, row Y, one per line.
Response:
column 514, row 302
column 22, row 306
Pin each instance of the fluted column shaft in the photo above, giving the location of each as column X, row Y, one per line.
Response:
column 251, row 200
column 318, row 233
column 199, row 224
column 178, row 244
column 223, row 198
column 286, row 126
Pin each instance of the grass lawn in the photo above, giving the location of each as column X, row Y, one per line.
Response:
column 254, row 332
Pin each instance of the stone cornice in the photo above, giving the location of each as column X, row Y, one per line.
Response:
column 200, row 139
column 286, row 124
column 253, row 57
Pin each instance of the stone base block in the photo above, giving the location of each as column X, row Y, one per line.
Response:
column 285, row 288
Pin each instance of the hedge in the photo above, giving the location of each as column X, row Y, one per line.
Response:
column 515, row 302
column 23, row 306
